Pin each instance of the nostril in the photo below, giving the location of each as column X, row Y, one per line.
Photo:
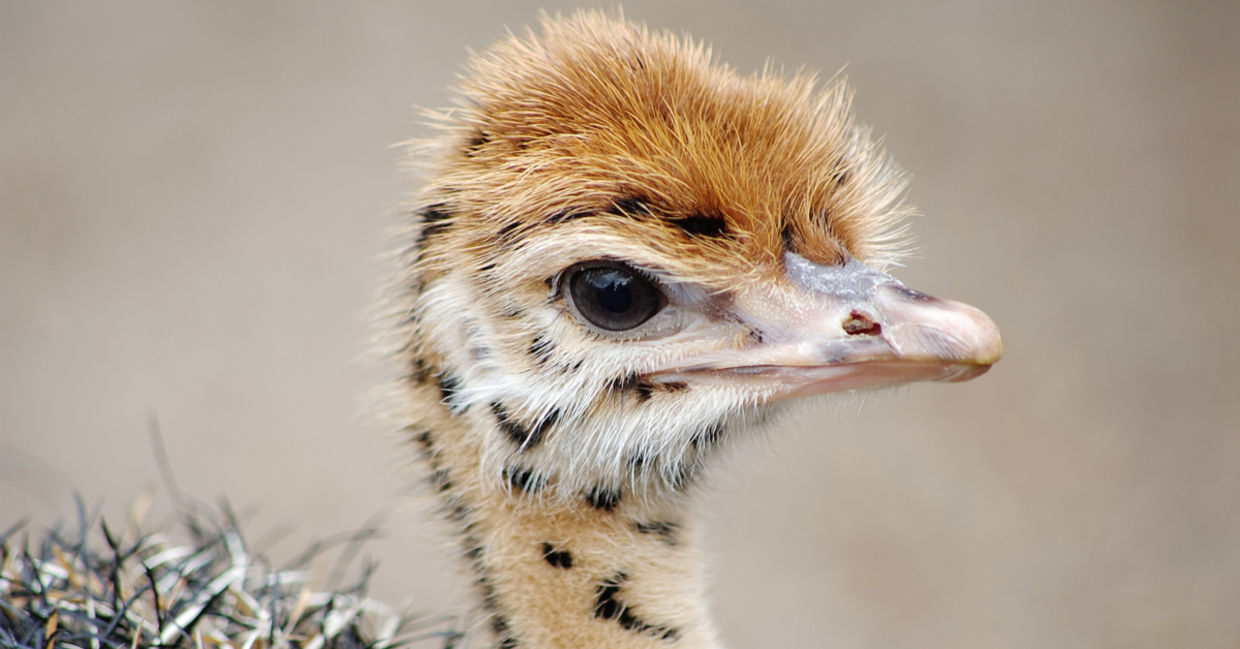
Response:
column 860, row 324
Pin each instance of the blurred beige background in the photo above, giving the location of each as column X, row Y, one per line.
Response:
column 192, row 199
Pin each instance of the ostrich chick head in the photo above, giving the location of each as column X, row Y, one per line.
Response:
column 628, row 252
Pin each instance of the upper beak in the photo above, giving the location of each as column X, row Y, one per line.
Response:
column 846, row 327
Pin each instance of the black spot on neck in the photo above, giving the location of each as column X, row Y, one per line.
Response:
column 441, row 480
column 457, row 511
column 514, row 430
column 419, row 372
column 666, row 531
column 625, row 383
column 523, row 479
column 473, row 553
column 707, row 436
column 490, row 603
column 640, row 457
column 450, row 389
column 503, row 631
column 423, row 438
column 475, row 144
column 608, row 606
column 702, row 225
column 435, row 220
column 679, row 475
column 486, row 589
column 557, row 558
column 604, row 499
column 526, row 437
column 633, row 382
column 541, row 349
column 490, row 600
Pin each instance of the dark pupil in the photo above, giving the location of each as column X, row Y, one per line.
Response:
column 614, row 298
column 611, row 289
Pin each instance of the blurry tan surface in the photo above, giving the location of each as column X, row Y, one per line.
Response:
column 191, row 205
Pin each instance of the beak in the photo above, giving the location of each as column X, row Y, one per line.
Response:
column 845, row 327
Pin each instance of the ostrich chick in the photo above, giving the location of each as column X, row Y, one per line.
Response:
column 627, row 255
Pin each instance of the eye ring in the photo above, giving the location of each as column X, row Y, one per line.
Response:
column 611, row 296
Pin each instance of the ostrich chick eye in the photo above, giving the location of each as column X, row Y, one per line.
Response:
column 612, row 296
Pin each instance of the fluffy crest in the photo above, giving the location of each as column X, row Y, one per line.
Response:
column 596, row 116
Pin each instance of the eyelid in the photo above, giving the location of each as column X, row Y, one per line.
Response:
column 556, row 282
column 667, row 319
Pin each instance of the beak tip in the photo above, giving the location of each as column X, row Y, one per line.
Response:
column 988, row 347
column 944, row 331
column 968, row 372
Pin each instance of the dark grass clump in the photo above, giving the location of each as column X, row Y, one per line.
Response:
column 84, row 585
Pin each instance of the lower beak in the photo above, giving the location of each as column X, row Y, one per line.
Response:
column 848, row 327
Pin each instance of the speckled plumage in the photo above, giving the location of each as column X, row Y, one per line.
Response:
column 565, row 455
